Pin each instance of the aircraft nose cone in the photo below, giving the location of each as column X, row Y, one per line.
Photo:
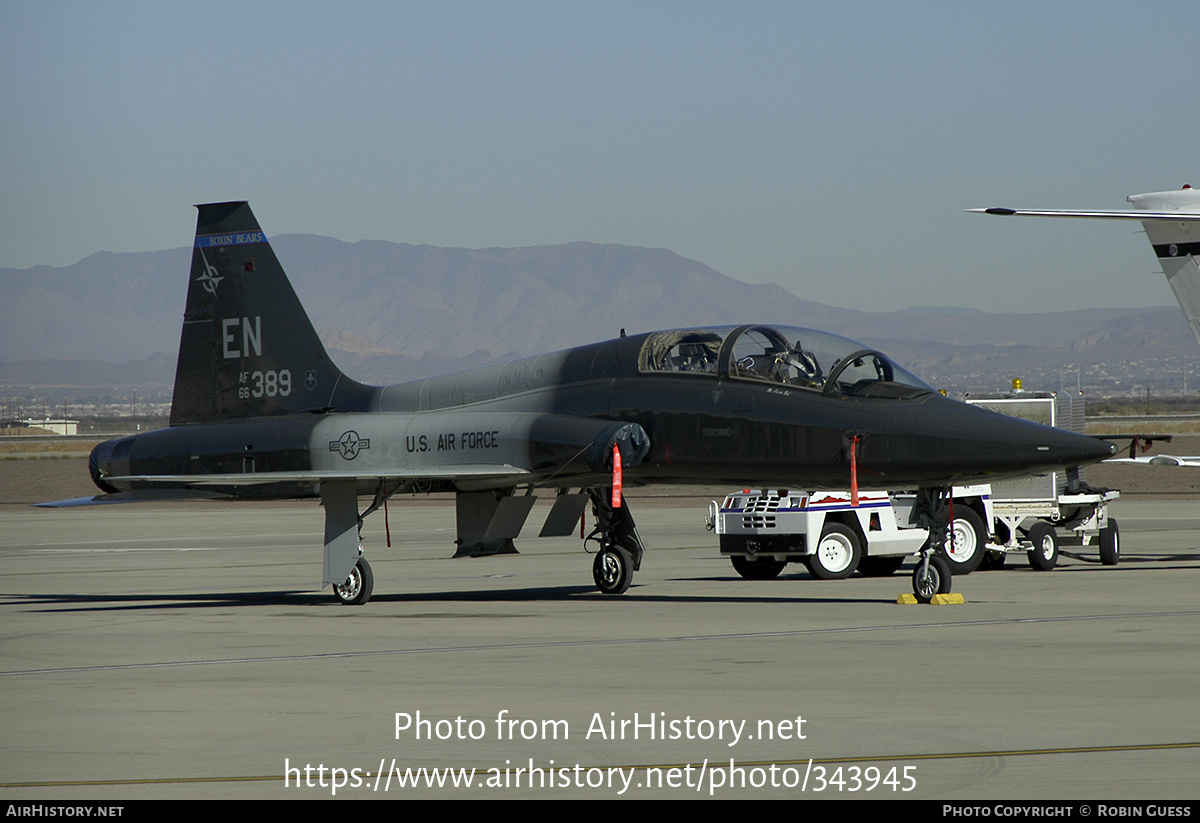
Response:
column 981, row 444
column 1044, row 448
column 1068, row 449
column 1100, row 450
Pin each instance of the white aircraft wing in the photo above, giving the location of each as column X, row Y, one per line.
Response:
column 1169, row 218
column 1158, row 460
column 1101, row 215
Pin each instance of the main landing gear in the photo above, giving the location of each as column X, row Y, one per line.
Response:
column 346, row 570
column 621, row 549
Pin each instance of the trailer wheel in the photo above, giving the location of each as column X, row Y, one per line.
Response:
column 1110, row 544
column 969, row 538
column 758, row 568
column 837, row 553
column 880, row 566
column 1044, row 554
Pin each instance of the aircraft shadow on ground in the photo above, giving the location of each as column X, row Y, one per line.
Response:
column 222, row 600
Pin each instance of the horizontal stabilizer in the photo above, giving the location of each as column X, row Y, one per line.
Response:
column 143, row 496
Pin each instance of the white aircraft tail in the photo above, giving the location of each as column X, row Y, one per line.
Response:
column 1176, row 243
column 1172, row 223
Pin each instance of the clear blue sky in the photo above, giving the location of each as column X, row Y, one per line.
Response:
column 825, row 146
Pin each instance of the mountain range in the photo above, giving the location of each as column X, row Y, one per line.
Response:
column 390, row 312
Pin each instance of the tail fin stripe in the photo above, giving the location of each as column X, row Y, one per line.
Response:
column 213, row 240
column 1176, row 249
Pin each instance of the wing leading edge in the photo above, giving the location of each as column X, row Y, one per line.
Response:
column 1100, row 215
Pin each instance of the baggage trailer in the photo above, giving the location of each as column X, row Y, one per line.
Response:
column 1029, row 512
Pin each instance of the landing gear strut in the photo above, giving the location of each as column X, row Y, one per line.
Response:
column 346, row 570
column 932, row 574
column 621, row 549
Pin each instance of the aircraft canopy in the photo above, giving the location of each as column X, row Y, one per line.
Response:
column 796, row 357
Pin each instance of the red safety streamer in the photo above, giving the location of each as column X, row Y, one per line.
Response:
column 616, row 495
column 854, row 470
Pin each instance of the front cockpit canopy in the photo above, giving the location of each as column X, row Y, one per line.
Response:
column 795, row 357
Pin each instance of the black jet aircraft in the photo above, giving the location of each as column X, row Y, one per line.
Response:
column 260, row 411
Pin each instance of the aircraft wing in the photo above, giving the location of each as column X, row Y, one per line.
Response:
column 1142, row 442
column 474, row 472
column 1101, row 215
column 1158, row 460
column 467, row 472
column 1168, row 219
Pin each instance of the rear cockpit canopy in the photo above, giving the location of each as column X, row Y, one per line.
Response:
column 786, row 355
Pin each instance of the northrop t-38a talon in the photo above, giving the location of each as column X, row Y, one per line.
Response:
column 260, row 411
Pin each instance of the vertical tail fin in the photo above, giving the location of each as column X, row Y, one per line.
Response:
column 248, row 348
column 1172, row 223
column 1176, row 242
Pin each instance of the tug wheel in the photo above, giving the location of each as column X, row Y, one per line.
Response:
column 758, row 568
